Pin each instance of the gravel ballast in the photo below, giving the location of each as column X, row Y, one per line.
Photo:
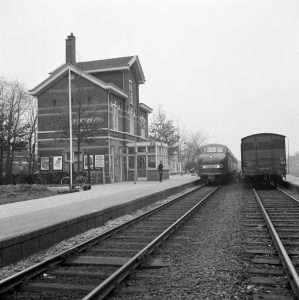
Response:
column 204, row 258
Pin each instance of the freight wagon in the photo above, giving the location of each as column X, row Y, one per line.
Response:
column 263, row 157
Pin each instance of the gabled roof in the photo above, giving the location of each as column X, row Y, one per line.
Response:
column 111, row 63
column 114, row 64
column 64, row 68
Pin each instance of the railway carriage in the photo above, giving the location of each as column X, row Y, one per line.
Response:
column 216, row 163
column 263, row 157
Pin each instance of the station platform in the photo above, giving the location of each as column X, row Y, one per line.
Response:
column 29, row 226
column 293, row 180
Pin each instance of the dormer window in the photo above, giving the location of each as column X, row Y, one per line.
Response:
column 130, row 92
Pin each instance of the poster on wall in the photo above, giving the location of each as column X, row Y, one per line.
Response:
column 57, row 162
column 86, row 161
column 44, row 163
column 99, row 161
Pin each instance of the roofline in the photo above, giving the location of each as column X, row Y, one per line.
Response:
column 106, row 69
column 263, row 133
column 136, row 59
column 132, row 60
column 145, row 107
column 213, row 144
column 130, row 64
column 96, row 81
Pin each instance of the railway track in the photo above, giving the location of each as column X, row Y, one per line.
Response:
column 273, row 244
column 93, row 269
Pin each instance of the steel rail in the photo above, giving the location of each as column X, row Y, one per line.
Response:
column 287, row 194
column 102, row 290
column 286, row 261
column 11, row 282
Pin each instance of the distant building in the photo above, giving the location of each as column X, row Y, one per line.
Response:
column 105, row 92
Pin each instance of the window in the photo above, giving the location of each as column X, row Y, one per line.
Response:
column 151, row 161
column 151, row 149
column 141, row 149
column 115, row 115
column 54, row 102
column 131, row 150
column 131, row 162
column 77, row 156
column 88, row 163
column 89, row 100
column 142, row 126
column 44, row 163
column 123, row 150
column 131, row 92
column 132, row 121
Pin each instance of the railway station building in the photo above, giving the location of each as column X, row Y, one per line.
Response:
column 109, row 123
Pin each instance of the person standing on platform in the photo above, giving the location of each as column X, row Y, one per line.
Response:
column 160, row 171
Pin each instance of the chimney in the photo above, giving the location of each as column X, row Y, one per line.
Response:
column 70, row 49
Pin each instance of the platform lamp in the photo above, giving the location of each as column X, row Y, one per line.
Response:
column 70, row 127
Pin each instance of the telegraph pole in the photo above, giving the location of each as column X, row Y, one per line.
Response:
column 71, row 130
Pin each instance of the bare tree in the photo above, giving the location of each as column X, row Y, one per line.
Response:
column 31, row 133
column 2, row 133
column 163, row 130
column 191, row 142
column 13, row 128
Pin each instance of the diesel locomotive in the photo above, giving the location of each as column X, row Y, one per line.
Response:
column 216, row 163
column 263, row 157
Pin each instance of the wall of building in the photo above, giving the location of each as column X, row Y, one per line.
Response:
column 115, row 77
column 93, row 100
column 53, row 107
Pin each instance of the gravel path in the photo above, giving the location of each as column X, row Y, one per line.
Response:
column 205, row 258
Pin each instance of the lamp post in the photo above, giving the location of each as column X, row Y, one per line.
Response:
column 70, row 128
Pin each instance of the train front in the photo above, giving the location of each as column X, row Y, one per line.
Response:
column 211, row 163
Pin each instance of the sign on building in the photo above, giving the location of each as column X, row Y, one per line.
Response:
column 57, row 162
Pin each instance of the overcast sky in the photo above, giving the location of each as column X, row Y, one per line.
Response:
column 228, row 68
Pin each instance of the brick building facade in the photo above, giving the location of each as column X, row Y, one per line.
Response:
column 106, row 115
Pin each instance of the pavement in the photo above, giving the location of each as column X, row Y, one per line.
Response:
column 292, row 179
column 23, row 217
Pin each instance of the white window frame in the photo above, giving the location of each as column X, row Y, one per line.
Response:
column 115, row 116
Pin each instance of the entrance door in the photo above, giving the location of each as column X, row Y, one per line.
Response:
column 141, row 167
